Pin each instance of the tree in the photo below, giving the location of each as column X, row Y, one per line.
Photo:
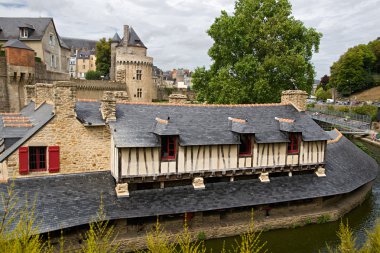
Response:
column 258, row 51
column 375, row 48
column 103, row 56
column 353, row 71
column 93, row 75
column 321, row 94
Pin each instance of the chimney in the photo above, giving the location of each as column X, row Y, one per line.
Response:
column 108, row 106
column 126, row 35
column 65, row 94
column 44, row 93
column 121, row 96
column 295, row 97
column 177, row 99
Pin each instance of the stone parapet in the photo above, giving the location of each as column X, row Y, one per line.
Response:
column 177, row 98
column 108, row 106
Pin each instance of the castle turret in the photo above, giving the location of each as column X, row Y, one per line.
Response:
column 114, row 42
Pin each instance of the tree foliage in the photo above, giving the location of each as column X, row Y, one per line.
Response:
column 93, row 75
column 322, row 94
column 103, row 56
column 353, row 71
column 258, row 51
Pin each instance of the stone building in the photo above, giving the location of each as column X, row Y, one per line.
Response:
column 208, row 164
column 131, row 65
column 83, row 56
column 40, row 35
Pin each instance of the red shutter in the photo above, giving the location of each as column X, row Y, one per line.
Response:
column 23, row 157
column 53, row 159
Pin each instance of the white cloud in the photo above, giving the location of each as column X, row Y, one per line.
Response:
column 175, row 30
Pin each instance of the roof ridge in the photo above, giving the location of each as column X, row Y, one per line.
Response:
column 340, row 135
column 202, row 105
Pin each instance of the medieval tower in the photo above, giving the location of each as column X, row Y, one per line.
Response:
column 131, row 65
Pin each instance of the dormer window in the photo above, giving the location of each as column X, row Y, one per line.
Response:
column 293, row 145
column 245, row 148
column 24, row 33
column 168, row 148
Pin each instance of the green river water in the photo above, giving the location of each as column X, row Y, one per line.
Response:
column 313, row 238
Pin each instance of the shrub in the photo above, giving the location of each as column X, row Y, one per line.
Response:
column 93, row 75
column 2, row 53
column 369, row 110
column 201, row 236
column 322, row 94
column 323, row 219
column 330, row 108
column 312, row 105
column 37, row 59
column 343, row 109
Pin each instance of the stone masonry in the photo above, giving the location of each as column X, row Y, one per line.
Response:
column 82, row 149
column 295, row 97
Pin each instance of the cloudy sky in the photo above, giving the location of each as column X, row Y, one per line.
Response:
column 175, row 30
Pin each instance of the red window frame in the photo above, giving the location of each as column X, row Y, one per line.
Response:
column 168, row 148
column 37, row 159
column 293, row 145
column 245, row 148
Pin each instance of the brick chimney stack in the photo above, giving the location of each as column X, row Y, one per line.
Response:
column 126, row 35
column 296, row 97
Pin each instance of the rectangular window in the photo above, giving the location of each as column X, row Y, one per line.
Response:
column 138, row 74
column 52, row 61
column 245, row 148
column 37, row 158
column 84, row 66
column 293, row 145
column 168, row 148
column 23, row 33
column 139, row 93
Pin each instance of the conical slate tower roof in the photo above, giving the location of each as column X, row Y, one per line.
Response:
column 116, row 38
column 134, row 39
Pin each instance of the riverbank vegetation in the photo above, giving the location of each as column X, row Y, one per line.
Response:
column 19, row 233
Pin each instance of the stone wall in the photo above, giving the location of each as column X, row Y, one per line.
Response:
column 4, row 97
column 164, row 93
column 93, row 89
column 82, row 149
column 295, row 97
column 42, row 75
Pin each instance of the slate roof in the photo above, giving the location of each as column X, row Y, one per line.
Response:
column 208, row 125
column 134, row 39
column 15, row 136
column 116, row 38
column 10, row 27
column 89, row 114
column 16, row 44
column 37, row 27
column 65, row 201
column 76, row 43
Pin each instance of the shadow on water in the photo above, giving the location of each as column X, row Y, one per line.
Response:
column 313, row 238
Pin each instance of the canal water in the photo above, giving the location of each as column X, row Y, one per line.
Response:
column 313, row 238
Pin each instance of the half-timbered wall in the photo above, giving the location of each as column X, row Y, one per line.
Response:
column 192, row 159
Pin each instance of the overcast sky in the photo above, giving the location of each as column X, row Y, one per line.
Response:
column 175, row 30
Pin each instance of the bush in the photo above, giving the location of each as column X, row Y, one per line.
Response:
column 343, row 109
column 93, row 75
column 323, row 219
column 201, row 236
column 369, row 110
column 330, row 108
column 37, row 59
column 2, row 53
column 321, row 94
column 312, row 105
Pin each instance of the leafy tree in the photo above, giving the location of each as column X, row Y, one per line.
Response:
column 321, row 94
column 375, row 47
column 93, row 75
column 353, row 71
column 258, row 51
column 103, row 56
